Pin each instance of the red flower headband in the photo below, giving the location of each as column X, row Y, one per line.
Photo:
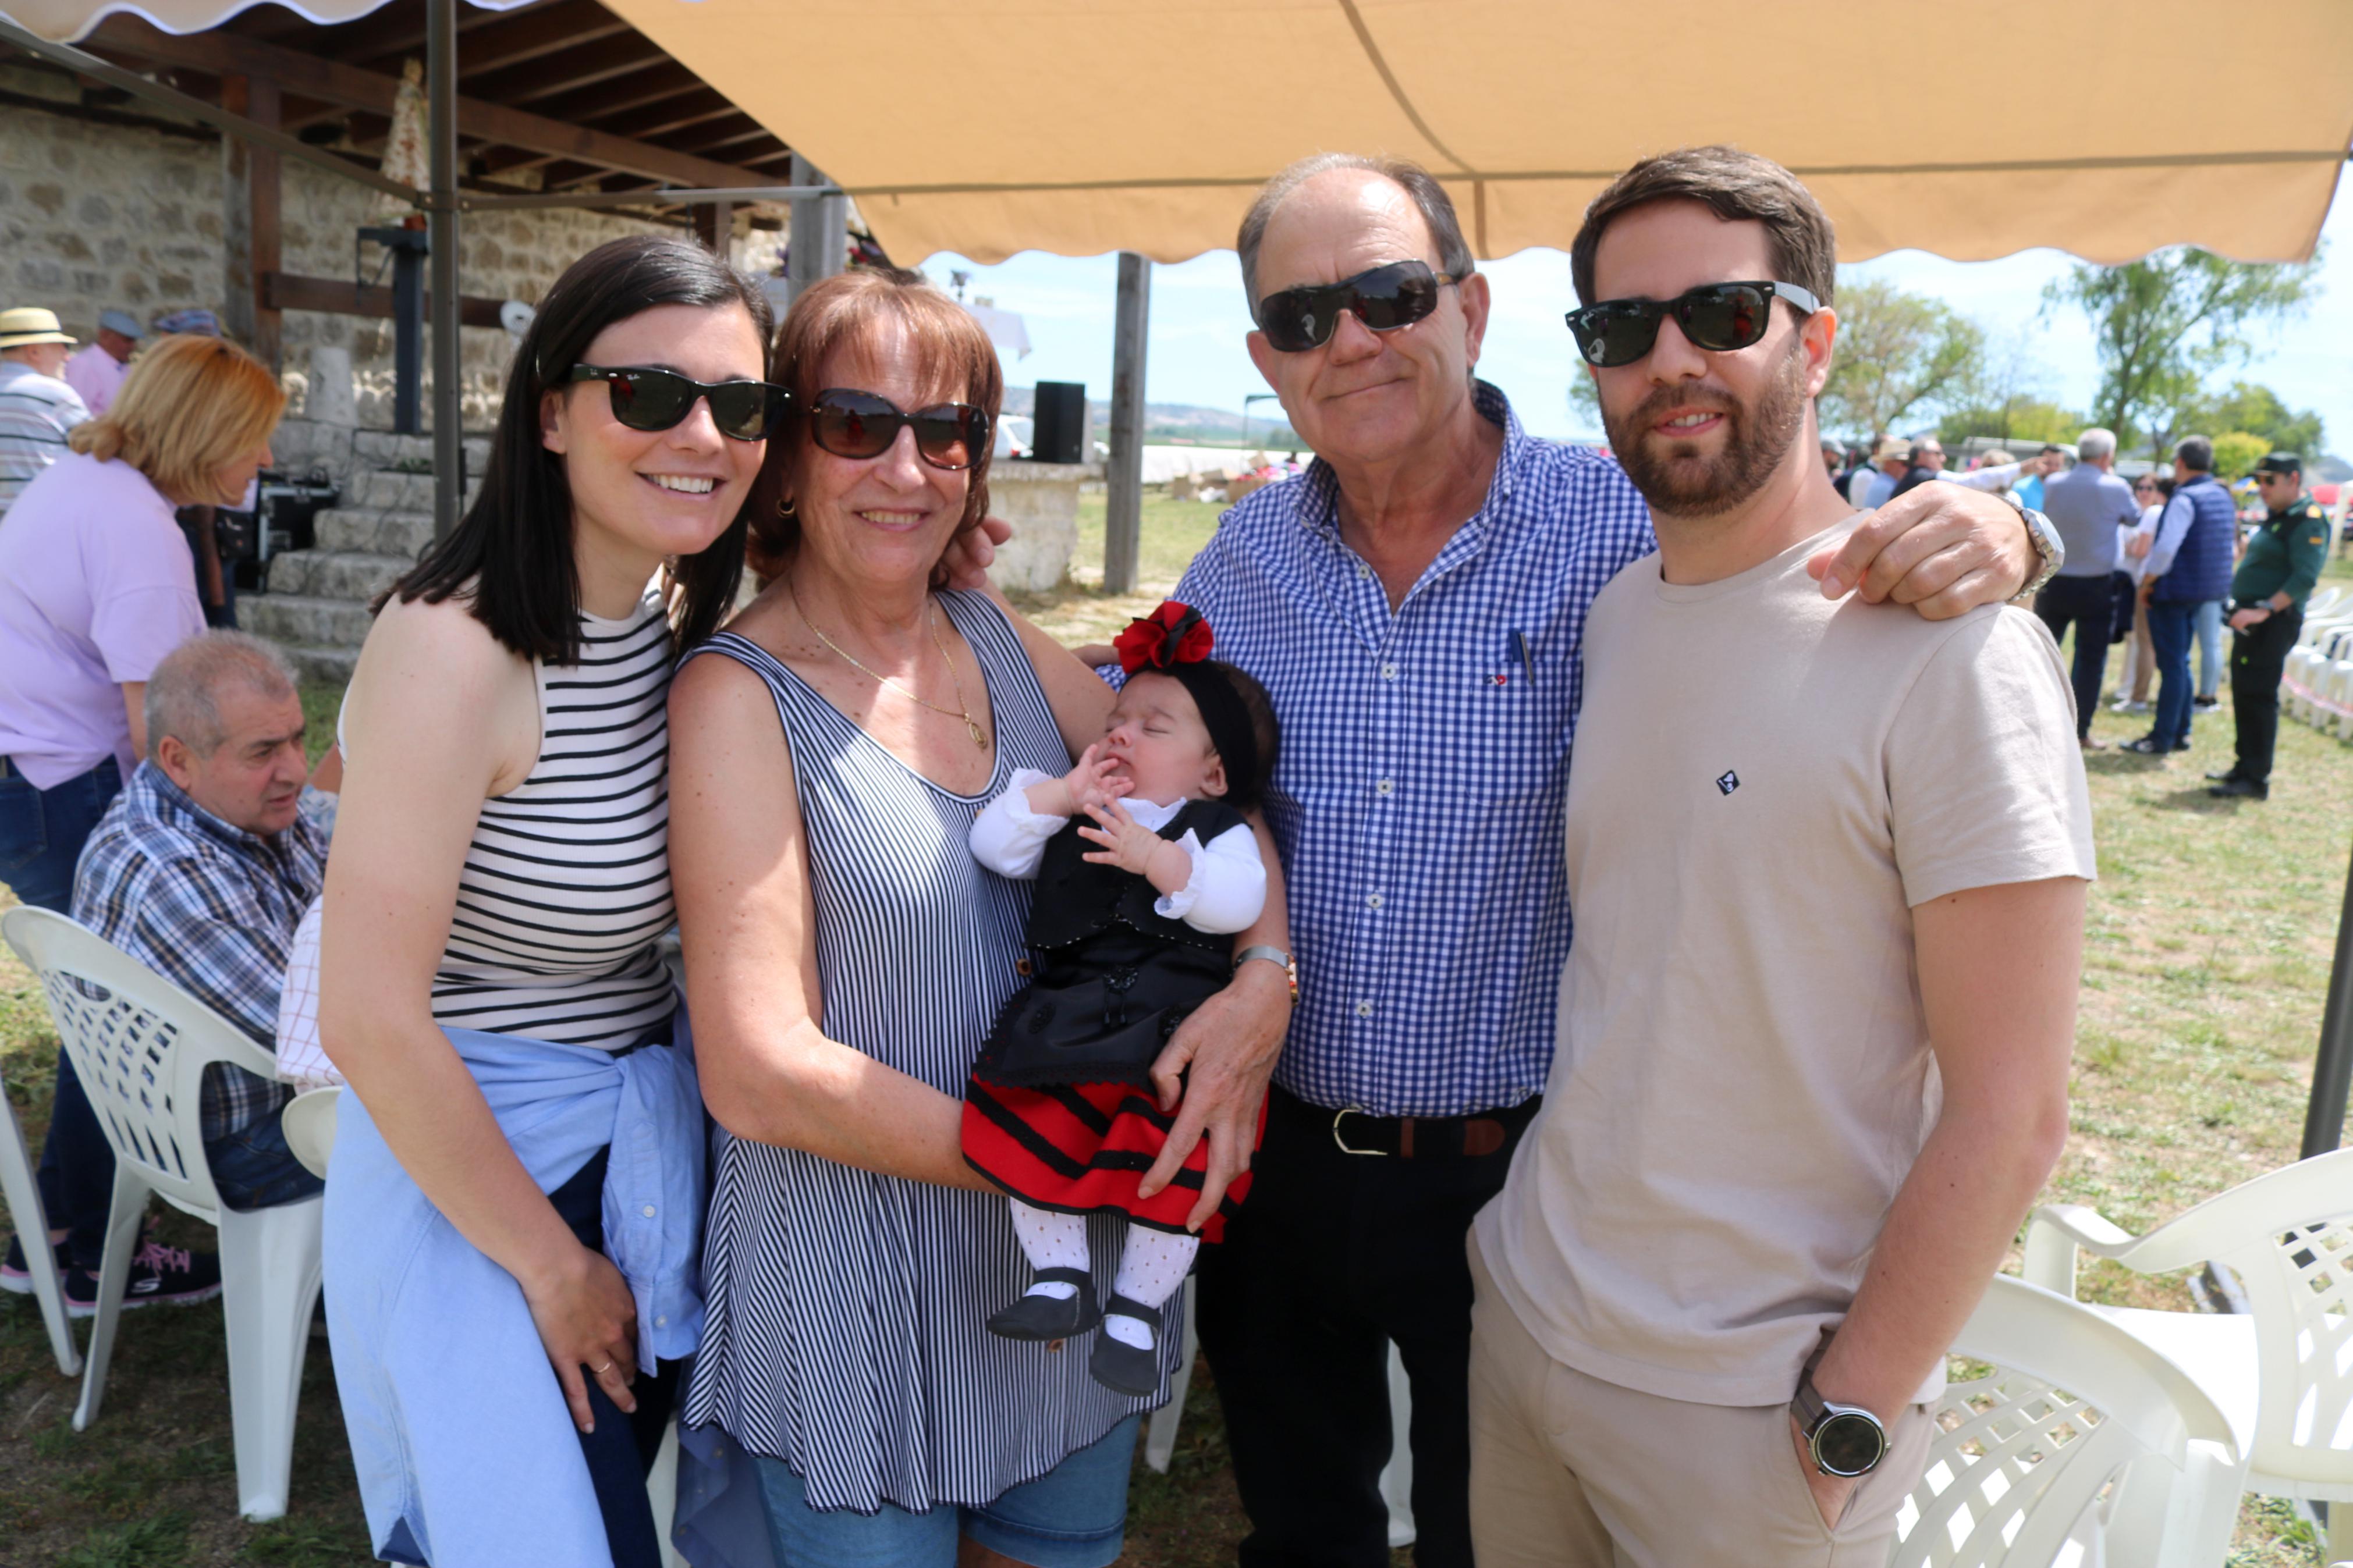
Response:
column 1172, row 635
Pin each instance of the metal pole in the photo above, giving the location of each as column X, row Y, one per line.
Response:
column 819, row 246
column 441, row 207
column 1123, row 502
column 2332, row 1069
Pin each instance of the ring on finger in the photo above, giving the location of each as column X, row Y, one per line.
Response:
column 601, row 1371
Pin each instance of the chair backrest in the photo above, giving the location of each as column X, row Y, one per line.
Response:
column 2074, row 1424
column 2297, row 1272
column 139, row 1046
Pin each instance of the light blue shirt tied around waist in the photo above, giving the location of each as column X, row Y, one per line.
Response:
column 466, row 1453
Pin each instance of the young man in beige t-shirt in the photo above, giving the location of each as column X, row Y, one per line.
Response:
column 1828, row 862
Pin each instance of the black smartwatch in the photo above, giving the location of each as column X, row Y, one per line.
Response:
column 1844, row 1439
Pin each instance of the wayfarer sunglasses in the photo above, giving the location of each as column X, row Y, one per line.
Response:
column 1385, row 299
column 1717, row 317
column 851, row 424
column 646, row 399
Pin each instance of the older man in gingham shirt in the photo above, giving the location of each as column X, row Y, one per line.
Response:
column 1414, row 606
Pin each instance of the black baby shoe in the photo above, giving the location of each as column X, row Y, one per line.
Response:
column 1046, row 1317
column 1122, row 1368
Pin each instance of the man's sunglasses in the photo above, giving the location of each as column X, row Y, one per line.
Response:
column 850, row 424
column 659, row 399
column 1717, row 317
column 1385, row 299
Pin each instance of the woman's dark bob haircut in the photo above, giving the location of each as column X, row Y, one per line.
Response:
column 511, row 557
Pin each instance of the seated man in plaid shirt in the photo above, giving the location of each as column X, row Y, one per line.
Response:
column 201, row 870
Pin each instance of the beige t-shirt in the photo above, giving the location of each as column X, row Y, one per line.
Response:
column 1764, row 783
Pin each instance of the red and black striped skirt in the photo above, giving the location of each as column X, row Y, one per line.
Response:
column 1085, row 1148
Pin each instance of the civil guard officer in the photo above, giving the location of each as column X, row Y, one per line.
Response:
column 2267, row 593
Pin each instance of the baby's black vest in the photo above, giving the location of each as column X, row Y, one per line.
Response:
column 1110, row 977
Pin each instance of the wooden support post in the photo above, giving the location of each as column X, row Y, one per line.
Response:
column 250, row 196
column 1123, row 502
column 714, row 225
column 441, row 152
column 819, row 246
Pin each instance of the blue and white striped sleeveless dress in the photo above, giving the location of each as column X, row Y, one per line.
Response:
column 846, row 1330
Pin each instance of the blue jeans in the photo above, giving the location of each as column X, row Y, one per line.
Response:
column 41, row 835
column 1074, row 1516
column 253, row 1169
column 2170, row 625
column 2209, row 620
column 42, row 832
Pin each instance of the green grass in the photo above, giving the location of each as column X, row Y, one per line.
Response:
column 2206, row 955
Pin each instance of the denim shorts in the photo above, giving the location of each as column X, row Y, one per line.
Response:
column 1074, row 1516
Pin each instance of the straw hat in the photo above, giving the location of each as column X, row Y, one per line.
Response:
column 28, row 324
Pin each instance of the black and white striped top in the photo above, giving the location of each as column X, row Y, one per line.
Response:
column 846, row 1331
column 566, row 884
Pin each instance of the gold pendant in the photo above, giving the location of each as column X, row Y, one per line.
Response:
column 979, row 736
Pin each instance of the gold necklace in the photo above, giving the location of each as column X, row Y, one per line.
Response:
column 963, row 709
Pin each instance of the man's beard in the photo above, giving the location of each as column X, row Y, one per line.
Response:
column 1672, row 474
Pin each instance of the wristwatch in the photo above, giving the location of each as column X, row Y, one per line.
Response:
column 2045, row 540
column 1275, row 956
column 1844, row 1439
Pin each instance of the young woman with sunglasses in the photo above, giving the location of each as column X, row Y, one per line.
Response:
column 490, row 985
column 846, row 956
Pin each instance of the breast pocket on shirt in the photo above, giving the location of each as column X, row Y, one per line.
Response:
column 1515, row 733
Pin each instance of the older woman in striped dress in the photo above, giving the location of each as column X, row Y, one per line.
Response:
column 846, row 956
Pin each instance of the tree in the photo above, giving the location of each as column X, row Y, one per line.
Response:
column 2258, row 411
column 1897, row 353
column 2236, row 453
column 1999, row 394
column 2026, row 423
column 2166, row 321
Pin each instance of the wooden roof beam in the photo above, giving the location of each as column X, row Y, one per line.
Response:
column 653, row 85
column 669, row 115
column 568, row 69
column 221, row 53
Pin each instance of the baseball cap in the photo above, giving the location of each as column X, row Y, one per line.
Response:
column 121, row 321
column 2280, row 463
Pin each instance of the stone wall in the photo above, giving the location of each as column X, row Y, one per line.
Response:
column 97, row 217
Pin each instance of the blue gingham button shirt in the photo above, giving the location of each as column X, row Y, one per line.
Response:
column 1417, row 797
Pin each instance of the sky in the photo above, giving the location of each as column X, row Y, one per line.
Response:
column 1198, row 321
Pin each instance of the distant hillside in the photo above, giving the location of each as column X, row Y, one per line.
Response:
column 1182, row 422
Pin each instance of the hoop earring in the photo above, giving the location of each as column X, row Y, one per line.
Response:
column 788, row 510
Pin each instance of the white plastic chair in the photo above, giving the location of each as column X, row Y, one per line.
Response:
column 2081, row 1447
column 1396, row 1479
column 2287, row 1367
column 140, row 1045
column 308, row 1122
column 22, row 1189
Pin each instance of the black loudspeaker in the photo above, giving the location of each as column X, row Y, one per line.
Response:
column 1061, row 413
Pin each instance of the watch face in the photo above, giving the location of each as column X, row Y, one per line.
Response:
column 1848, row 1445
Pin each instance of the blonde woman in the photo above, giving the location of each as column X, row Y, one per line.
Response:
column 96, row 586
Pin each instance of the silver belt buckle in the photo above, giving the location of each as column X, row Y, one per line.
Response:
column 1341, row 1114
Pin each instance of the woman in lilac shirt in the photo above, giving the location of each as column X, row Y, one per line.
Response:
column 96, row 586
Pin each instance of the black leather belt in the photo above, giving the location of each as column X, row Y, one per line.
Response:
column 1470, row 1137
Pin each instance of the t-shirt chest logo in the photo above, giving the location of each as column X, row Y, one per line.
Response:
column 1727, row 781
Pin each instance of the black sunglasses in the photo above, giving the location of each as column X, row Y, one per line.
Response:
column 1717, row 317
column 1385, row 299
column 658, row 399
column 850, row 424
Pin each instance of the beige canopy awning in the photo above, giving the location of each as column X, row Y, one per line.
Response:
column 1078, row 126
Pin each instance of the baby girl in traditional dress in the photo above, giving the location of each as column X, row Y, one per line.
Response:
column 1144, row 869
